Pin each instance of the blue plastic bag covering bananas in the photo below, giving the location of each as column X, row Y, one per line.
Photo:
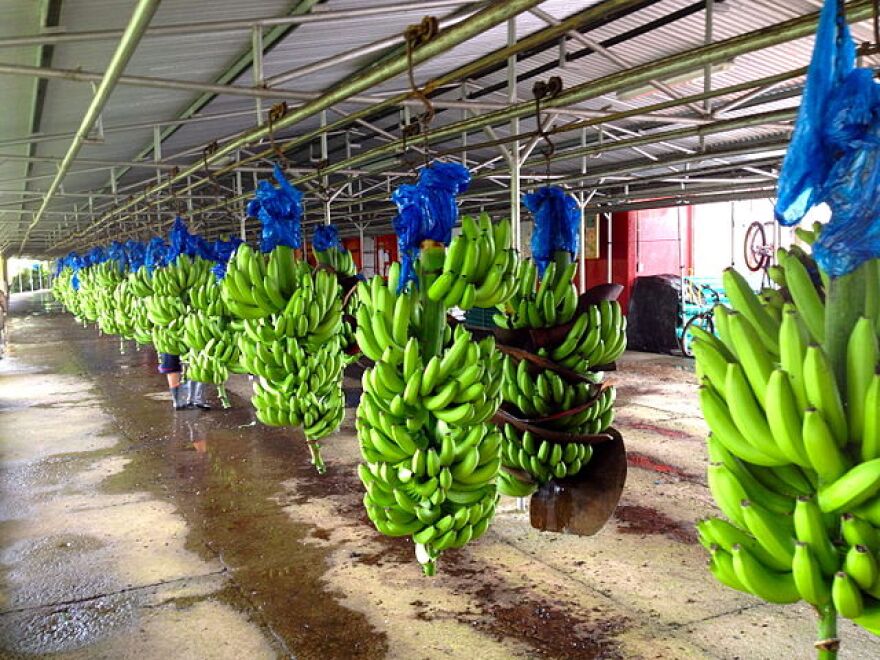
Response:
column 279, row 211
column 156, row 254
column 221, row 253
column 326, row 237
column 427, row 210
column 834, row 156
column 557, row 223
column 135, row 251
column 330, row 251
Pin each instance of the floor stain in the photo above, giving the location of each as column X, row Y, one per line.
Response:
column 640, row 460
column 634, row 519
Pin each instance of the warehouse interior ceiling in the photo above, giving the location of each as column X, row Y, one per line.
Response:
column 663, row 102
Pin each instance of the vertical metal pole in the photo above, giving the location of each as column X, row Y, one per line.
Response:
column 707, row 72
column 608, row 245
column 40, row 274
column 257, row 45
column 681, row 260
column 325, row 181
column 189, row 199
column 582, row 251
column 464, row 116
column 157, row 156
column 360, row 227
column 582, row 257
column 515, row 163
column 239, row 191
column 732, row 235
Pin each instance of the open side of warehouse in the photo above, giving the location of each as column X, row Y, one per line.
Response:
column 440, row 329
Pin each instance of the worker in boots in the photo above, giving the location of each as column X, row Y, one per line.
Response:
column 171, row 367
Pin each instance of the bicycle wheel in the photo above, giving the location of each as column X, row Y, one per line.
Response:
column 754, row 248
column 703, row 321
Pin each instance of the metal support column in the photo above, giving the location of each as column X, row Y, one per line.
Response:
column 257, row 44
column 608, row 244
column 157, row 157
column 515, row 162
column 239, row 191
column 325, row 180
column 582, row 203
column 707, row 71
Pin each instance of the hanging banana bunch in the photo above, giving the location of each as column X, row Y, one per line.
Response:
column 551, row 387
column 795, row 442
column 430, row 454
column 291, row 322
column 480, row 266
column 329, row 251
column 168, row 305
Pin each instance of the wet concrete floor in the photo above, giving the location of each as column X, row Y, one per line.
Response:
column 127, row 529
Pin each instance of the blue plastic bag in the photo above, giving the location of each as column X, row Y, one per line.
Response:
column 427, row 210
column 222, row 253
column 156, row 254
column 279, row 210
column 135, row 251
column 834, row 156
column 326, row 237
column 557, row 223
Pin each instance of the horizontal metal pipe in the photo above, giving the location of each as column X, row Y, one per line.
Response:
column 87, row 161
column 51, row 137
column 206, row 27
column 494, row 14
column 353, row 53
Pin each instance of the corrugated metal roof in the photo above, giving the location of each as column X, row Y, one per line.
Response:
column 659, row 29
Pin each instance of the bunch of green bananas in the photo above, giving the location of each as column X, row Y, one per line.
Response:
column 88, row 294
column 385, row 317
column 795, row 459
column 141, row 282
column 550, row 399
column 548, row 393
column 309, row 394
column 431, row 457
column 291, row 320
column 180, row 276
column 596, row 338
column 553, row 303
column 480, row 266
column 64, row 293
column 207, row 298
column 212, row 346
column 169, row 304
column 340, row 261
column 541, row 459
column 256, row 285
column 140, row 287
column 542, row 398
column 124, row 312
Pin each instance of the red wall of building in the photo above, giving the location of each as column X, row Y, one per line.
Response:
column 643, row 243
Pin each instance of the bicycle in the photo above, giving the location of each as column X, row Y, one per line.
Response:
column 700, row 299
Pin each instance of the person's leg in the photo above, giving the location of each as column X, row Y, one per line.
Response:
column 197, row 396
column 170, row 366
